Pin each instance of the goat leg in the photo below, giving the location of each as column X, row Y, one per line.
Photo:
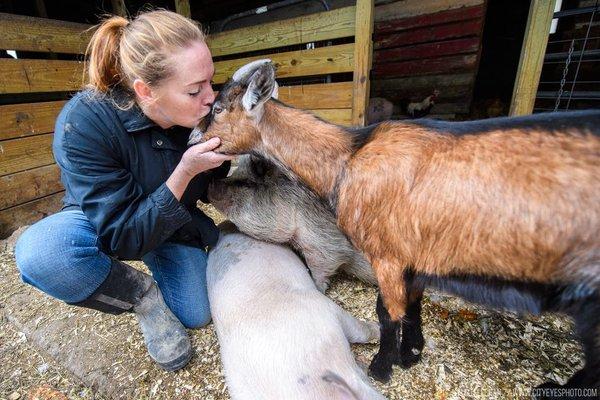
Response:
column 412, row 341
column 389, row 346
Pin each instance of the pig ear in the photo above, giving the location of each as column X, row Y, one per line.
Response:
column 261, row 87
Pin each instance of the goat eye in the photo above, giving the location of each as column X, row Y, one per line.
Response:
column 217, row 109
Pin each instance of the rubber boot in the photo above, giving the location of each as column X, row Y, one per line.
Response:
column 129, row 290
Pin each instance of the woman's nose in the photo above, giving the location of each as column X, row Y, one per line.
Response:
column 210, row 97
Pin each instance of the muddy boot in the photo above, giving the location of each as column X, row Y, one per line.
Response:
column 129, row 290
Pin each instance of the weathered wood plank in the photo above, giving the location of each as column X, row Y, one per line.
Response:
column 447, row 93
column 444, row 108
column 25, row 153
column 27, row 76
column 430, row 34
column 320, row 61
column 337, row 116
column 18, row 32
column 532, row 56
column 29, row 185
column 428, row 50
column 429, row 66
column 443, row 17
column 422, row 82
column 20, row 120
column 318, row 96
column 410, row 8
column 363, row 56
column 309, row 28
column 28, row 213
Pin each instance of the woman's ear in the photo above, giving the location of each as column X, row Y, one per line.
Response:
column 143, row 91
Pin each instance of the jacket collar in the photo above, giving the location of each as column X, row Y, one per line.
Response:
column 134, row 119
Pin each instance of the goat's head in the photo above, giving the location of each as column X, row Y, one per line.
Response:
column 238, row 109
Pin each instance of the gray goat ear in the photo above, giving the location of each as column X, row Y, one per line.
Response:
column 261, row 88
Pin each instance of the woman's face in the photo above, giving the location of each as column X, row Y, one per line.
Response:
column 186, row 97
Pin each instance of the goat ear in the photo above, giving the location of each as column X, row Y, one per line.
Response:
column 261, row 88
column 246, row 71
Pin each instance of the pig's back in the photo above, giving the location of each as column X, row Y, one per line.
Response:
column 278, row 335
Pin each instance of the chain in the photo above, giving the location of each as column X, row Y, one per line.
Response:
column 564, row 77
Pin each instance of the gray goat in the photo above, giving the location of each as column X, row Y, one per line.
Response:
column 265, row 204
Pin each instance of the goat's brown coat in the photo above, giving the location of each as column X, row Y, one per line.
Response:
column 513, row 204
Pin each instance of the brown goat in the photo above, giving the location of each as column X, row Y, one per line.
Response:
column 512, row 198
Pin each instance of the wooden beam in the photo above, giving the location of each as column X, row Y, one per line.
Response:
column 20, row 120
column 320, row 61
column 443, row 17
column 318, row 96
column 308, row 28
column 183, row 7
column 411, row 8
column 28, row 213
column 427, row 82
column 29, row 76
column 532, row 56
column 25, row 153
column 29, row 185
column 430, row 34
column 363, row 52
column 441, row 65
column 336, row 116
column 428, row 50
column 119, row 7
column 19, row 32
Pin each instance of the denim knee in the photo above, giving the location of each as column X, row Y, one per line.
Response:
column 197, row 318
column 59, row 255
column 180, row 272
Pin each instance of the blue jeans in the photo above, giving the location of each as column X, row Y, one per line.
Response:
column 60, row 256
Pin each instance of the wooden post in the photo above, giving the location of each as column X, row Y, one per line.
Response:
column 183, row 7
column 119, row 7
column 363, row 54
column 532, row 56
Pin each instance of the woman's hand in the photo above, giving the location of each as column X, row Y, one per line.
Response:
column 198, row 158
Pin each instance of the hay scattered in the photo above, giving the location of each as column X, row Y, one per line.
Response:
column 470, row 353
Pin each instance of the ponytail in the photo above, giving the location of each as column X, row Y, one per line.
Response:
column 104, row 70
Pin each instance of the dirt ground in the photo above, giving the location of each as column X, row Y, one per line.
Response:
column 470, row 353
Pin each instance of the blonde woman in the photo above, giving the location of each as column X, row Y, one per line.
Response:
column 132, row 184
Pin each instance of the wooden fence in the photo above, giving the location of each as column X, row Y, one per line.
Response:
column 29, row 178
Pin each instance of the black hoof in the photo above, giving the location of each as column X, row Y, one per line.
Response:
column 381, row 368
column 408, row 358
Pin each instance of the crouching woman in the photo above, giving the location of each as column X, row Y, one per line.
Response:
column 132, row 185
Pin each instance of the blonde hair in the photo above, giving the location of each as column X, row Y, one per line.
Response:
column 123, row 50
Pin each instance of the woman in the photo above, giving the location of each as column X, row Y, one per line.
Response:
column 132, row 184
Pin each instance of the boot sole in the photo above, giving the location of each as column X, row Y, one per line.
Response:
column 177, row 363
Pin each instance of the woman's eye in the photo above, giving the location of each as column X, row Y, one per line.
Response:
column 194, row 94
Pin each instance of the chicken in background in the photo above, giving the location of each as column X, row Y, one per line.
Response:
column 381, row 109
column 422, row 108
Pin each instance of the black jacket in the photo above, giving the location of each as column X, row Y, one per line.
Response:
column 114, row 165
